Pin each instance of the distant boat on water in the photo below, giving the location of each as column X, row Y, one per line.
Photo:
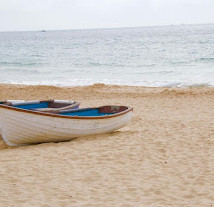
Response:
column 43, row 31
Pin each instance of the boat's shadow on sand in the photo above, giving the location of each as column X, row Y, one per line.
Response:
column 99, row 137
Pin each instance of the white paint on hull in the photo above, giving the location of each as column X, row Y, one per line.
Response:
column 20, row 128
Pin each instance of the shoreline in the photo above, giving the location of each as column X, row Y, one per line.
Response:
column 197, row 85
column 163, row 157
column 32, row 92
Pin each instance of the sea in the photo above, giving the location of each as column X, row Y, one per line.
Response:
column 159, row 56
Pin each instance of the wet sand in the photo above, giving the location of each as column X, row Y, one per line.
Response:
column 163, row 157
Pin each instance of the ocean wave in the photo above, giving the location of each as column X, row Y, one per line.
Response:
column 17, row 63
column 87, row 82
column 20, row 70
column 210, row 59
column 96, row 64
column 172, row 85
column 199, row 85
column 37, row 55
column 120, row 65
column 180, row 63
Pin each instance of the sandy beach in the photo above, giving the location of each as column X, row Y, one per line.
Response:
column 163, row 157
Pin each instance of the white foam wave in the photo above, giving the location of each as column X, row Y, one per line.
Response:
column 85, row 82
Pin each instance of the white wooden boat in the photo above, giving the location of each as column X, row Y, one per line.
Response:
column 21, row 126
column 44, row 105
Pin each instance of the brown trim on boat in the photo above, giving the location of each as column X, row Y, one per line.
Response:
column 67, row 117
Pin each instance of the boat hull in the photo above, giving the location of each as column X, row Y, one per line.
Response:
column 19, row 127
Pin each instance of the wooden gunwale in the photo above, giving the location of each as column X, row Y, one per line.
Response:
column 64, row 116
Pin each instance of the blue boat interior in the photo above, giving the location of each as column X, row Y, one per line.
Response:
column 84, row 112
column 87, row 112
column 32, row 106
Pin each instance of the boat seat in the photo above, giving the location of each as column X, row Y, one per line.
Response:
column 44, row 109
column 17, row 103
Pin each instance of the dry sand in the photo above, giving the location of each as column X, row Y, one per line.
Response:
column 164, row 157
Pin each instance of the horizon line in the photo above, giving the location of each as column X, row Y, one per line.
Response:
column 106, row 28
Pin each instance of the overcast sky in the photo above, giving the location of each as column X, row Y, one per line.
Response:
column 83, row 14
